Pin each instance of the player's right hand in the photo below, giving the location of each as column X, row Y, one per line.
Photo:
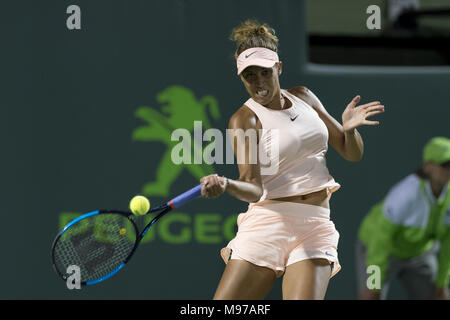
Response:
column 212, row 186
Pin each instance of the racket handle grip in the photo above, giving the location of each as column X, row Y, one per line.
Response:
column 185, row 197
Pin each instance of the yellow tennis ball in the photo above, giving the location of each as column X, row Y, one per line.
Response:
column 139, row 205
column 122, row 231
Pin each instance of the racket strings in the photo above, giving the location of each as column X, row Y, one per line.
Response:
column 97, row 245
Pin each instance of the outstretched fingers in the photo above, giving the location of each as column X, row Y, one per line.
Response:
column 371, row 123
column 371, row 104
column 374, row 110
column 354, row 102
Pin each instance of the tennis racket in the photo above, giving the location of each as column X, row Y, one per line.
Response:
column 101, row 242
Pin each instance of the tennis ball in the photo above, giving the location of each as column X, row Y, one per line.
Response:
column 139, row 205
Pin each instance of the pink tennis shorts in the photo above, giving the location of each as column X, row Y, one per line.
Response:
column 276, row 234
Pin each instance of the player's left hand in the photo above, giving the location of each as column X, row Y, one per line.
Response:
column 355, row 116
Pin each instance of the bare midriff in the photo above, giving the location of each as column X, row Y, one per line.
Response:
column 318, row 198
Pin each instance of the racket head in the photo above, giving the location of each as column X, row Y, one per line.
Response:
column 99, row 243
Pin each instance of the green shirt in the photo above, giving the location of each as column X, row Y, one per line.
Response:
column 406, row 223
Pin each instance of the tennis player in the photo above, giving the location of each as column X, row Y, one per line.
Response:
column 407, row 234
column 287, row 229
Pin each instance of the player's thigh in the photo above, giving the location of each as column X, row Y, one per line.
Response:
column 244, row 280
column 306, row 280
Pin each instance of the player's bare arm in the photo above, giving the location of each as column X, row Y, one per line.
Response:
column 248, row 186
column 345, row 139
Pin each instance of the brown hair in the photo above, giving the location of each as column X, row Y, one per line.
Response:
column 421, row 173
column 251, row 34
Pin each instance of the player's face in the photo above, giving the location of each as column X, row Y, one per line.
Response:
column 438, row 173
column 262, row 83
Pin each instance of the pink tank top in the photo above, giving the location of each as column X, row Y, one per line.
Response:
column 302, row 139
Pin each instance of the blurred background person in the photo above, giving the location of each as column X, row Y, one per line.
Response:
column 407, row 234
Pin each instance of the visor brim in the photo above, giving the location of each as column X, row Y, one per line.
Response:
column 256, row 62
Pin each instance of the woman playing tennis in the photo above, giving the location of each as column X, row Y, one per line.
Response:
column 287, row 228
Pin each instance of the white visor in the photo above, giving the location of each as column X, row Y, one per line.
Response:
column 261, row 57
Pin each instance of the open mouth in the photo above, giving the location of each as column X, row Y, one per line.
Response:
column 262, row 93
